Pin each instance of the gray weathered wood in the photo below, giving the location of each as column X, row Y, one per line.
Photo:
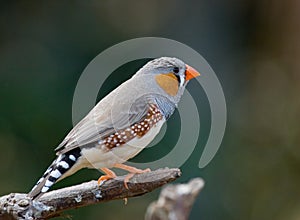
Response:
column 51, row 204
column 175, row 201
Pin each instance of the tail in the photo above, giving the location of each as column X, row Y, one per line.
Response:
column 55, row 172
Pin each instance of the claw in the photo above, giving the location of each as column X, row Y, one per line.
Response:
column 109, row 175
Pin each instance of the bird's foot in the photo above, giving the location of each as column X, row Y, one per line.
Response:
column 132, row 171
column 109, row 175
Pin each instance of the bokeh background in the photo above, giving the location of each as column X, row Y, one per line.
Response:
column 252, row 45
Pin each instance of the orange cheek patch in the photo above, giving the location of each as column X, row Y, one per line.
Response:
column 168, row 82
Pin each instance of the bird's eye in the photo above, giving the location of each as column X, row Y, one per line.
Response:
column 176, row 69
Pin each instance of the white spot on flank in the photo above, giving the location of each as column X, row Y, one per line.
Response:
column 56, row 174
column 72, row 157
column 64, row 164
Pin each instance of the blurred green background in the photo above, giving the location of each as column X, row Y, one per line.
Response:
column 252, row 45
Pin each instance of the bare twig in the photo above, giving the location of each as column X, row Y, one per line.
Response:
column 175, row 201
column 18, row 206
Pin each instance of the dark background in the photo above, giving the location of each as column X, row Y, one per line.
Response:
column 252, row 45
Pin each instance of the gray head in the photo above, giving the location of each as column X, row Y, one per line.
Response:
column 167, row 78
column 170, row 73
column 165, row 65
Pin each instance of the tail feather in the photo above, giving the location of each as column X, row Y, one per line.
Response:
column 55, row 172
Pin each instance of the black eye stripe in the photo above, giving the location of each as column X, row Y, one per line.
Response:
column 175, row 71
column 178, row 78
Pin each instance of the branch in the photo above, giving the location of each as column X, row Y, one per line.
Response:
column 52, row 204
column 175, row 201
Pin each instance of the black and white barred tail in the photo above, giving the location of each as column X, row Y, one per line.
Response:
column 56, row 171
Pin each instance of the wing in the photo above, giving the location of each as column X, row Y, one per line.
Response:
column 103, row 120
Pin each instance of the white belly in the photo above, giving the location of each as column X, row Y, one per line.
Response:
column 99, row 157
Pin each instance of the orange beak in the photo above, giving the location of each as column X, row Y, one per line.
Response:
column 190, row 73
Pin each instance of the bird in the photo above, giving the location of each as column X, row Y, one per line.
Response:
column 120, row 125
